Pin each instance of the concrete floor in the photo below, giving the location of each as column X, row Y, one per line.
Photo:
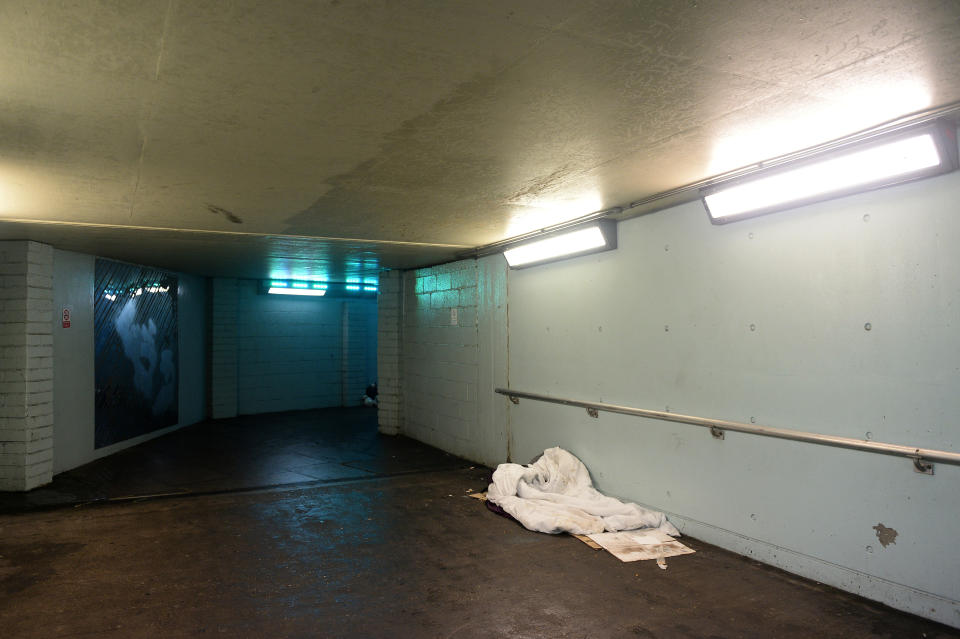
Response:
column 253, row 451
column 397, row 551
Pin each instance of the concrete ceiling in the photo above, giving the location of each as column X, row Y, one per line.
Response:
column 303, row 138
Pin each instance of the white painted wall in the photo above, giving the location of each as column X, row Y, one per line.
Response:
column 390, row 402
column 73, row 361
column 454, row 353
column 290, row 350
column 222, row 330
column 764, row 320
column 358, row 349
column 371, row 337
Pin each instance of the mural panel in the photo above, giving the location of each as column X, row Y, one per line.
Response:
column 136, row 351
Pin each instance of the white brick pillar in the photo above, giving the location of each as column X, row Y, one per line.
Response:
column 26, row 365
column 223, row 298
column 389, row 322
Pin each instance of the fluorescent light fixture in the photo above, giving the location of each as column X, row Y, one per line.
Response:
column 600, row 235
column 318, row 289
column 297, row 291
column 294, row 287
column 918, row 153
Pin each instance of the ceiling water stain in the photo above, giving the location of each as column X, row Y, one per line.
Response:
column 390, row 183
column 480, row 114
column 228, row 215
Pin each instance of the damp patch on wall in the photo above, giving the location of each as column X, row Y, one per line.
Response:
column 135, row 351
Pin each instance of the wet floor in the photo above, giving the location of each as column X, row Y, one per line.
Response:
column 396, row 550
column 253, row 451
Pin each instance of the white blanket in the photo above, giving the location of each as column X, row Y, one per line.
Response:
column 555, row 494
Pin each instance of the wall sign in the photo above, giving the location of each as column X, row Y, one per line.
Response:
column 66, row 317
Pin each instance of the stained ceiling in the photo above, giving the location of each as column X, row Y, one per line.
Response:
column 322, row 139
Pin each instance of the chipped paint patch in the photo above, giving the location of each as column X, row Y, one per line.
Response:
column 886, row 535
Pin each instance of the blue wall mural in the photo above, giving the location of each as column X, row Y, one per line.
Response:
column 136, row 351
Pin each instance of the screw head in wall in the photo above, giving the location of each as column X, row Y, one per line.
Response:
column 867, row 326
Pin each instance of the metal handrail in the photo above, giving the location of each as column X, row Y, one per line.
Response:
column 922, row 457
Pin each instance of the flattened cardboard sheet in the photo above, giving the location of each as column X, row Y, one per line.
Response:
column 637, row 545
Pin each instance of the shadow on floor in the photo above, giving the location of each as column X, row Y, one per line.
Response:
column 248, row 452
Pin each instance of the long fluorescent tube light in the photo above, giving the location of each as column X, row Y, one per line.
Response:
column 294, row 287
column 297, row 291
column 600, row 235
column 350, row 289
column 922, row 152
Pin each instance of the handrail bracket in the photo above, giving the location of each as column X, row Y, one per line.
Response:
column 920, row 466
column 717, row 432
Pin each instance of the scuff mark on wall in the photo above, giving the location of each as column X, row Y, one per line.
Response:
column 886, row 535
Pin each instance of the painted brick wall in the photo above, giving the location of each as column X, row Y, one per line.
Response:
column 288, row 354
column 389, row 369
column 26, row 365
column 357, row 341
column 441, row 356
column 222, row 339
column 272, row 353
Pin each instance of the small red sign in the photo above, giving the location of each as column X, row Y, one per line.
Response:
column 66, row 318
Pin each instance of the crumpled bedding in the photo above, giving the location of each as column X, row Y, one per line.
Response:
column 554, row 494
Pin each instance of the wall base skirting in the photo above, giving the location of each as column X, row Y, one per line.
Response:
column 899, row 596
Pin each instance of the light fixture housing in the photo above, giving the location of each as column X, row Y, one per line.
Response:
column 317, row 288
column 911, row 154
column 583, row 239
